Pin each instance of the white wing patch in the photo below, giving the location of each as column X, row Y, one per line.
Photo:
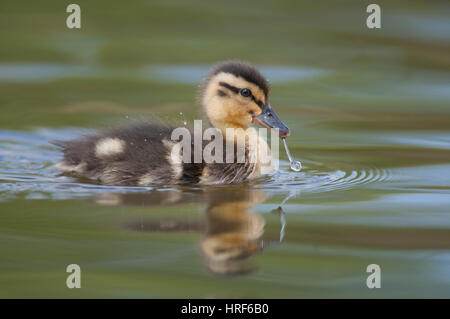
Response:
column 109, row 146
column 146, row 179
column 175, row 158
column 80, row 168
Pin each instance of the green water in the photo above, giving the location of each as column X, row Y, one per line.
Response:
column 369, row 112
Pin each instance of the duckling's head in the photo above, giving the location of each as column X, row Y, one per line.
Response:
column 236, row 95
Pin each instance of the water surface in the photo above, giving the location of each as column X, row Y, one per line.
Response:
column 370, row 120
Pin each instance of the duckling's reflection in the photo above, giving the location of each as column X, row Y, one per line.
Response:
column 233, row 232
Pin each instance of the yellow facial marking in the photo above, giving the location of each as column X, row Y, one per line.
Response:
column 229, row 108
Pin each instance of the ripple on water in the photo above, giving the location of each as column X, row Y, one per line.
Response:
column 323, row 179
column 27, row 159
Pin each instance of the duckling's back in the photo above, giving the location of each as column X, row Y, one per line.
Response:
column 133, row 155
column 141, row 155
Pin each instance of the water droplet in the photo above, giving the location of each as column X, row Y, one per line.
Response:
column 295, row 165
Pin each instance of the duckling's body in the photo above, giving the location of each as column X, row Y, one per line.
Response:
column 141, row 155
column 144, row 154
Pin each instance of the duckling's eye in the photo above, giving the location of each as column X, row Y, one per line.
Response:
column 246, row 93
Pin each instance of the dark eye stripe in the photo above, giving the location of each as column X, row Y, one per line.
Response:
column 236, row 90
column 260, row 104
column 229, row 87
column 221, row 93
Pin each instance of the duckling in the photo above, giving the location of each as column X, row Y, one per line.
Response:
column 234, row 95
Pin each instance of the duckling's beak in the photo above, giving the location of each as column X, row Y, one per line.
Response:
column 269, row 119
